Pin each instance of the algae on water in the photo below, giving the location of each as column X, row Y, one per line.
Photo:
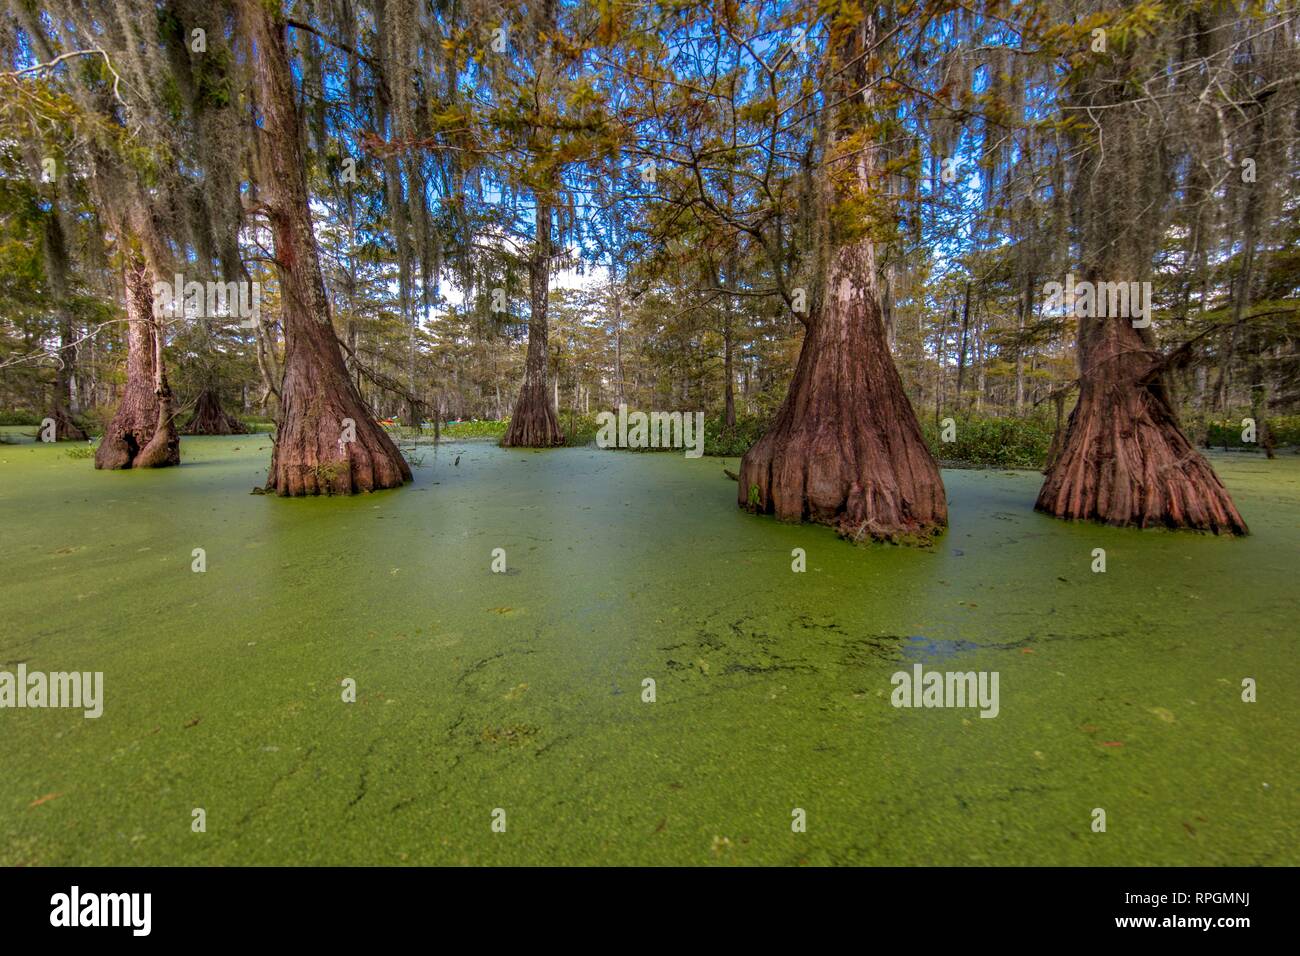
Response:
column 524, row 691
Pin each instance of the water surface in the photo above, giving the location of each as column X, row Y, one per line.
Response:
column 523, row 691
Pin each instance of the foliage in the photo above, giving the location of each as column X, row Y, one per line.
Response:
column 579, row 430
column 1226, row 433
column 473, row 429
column 993, row 442
column 19, row 418
column 428, row 156
column 723, row 442
column 257, row 425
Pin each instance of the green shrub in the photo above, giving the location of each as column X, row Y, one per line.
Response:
column 89, row 422
column 17, row 417
column 483, row 429
column 719, row 441
column 579, row 430
column 1226, row 432
column 733, row 442
column 993, row 442
column 980, row 440
column 97, row 419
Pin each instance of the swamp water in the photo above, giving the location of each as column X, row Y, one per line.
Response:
column 523, row 691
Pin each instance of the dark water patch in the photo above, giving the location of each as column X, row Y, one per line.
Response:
column 935, row 649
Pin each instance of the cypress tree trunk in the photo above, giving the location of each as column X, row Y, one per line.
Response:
column 1024, row 313
column 846, row 448
column 728, row 372
column 534, row 423
column 142, row 433
column 961, row 346
column 1259, row 405
column 618, row 343
column 210, row 418
column 56, row 269
column 65, row 429
column 1124, row 459
column 327, row 441
column 941, row 376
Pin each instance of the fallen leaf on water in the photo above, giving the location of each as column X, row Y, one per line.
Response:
column 1112, row 743
column 45, row 799
column 192, row 721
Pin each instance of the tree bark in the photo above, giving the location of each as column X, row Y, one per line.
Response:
column 264, row 347
column 1023, row 314
column 413, row 412
column 961, row 347
column 728, row 373
column 142, row 433
column 56, row 261
column 618, row 342
column 1125, row 459
column 941, row 376
column 327, row 440
column 210, row 418
column 1259, row 404
column 534, row 423
column 846, row 449
column 729, row 390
